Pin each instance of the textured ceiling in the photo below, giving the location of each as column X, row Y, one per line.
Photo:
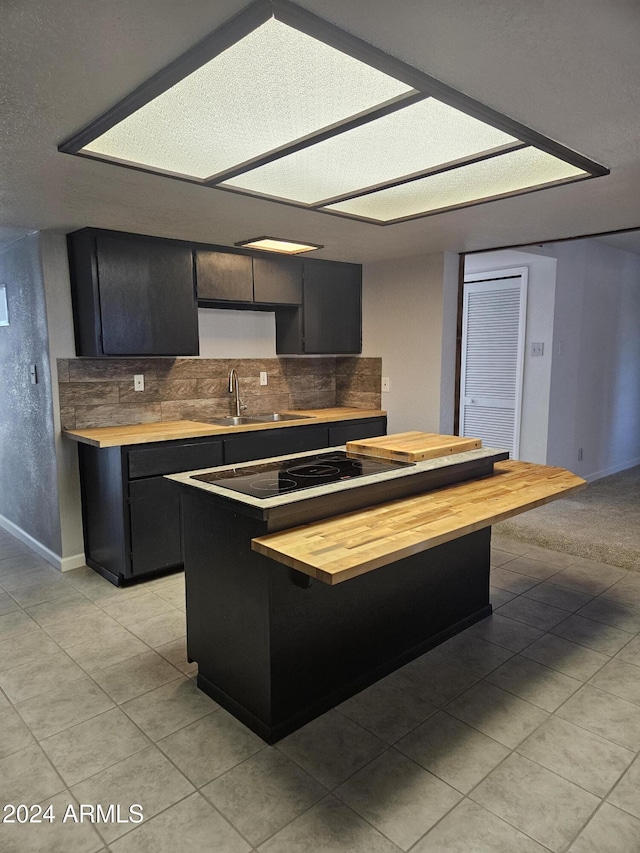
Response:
column 569, row 70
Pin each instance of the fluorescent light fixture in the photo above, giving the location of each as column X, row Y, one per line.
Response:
column 275, row 244
column 279, row 103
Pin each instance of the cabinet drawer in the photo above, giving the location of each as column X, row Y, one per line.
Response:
column 277, row 442
column 153, row 461
column 353, row 431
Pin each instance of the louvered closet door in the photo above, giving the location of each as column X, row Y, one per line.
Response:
column 493, row 331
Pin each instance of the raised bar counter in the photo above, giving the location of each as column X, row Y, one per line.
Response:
column 337, row 549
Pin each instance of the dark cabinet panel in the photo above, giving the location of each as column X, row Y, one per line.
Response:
column 156, row 536
column 132, row 295
column 103, row 508
column 172, row 458
column 224, row 275
column 147, row 303
column 277, row 442
column 354, row 430
column 332, row 307
column 277, row 280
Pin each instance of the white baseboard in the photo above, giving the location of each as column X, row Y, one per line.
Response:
column 615, row 469
column 63, row 564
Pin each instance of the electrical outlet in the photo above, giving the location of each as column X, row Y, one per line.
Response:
column 263, row 377
column 579, row 454
column 386, row 383
column 138, row 381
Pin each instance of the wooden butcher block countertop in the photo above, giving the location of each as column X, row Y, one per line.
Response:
column 343, row 547
column 413, row 446
column 116, row 436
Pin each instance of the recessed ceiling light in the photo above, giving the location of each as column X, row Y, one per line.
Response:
column 275, row 244
column 279, row 103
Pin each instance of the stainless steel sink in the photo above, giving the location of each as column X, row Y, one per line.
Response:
column 272, row 417
column 235, row 421
column 266, row 418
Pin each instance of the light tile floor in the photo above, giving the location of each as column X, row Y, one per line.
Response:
column 520, row 734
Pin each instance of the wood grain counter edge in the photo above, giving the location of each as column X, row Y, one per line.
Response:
column 117, row 436
column 337, row 549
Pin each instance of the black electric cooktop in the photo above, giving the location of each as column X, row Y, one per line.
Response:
column 303, row 472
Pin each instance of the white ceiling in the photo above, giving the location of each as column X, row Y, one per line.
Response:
column 568, row 69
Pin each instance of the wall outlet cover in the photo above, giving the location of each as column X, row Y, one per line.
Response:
column 263, row 377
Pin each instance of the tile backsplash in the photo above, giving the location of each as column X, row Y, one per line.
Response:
column 99, row 391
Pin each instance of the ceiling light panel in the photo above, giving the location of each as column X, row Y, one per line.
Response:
column 275, row 244
column 413, row 139
column 274, row 86
column 512, row 172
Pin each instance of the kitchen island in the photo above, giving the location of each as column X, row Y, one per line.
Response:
column 297, row 601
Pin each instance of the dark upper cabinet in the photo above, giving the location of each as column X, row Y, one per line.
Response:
column 132, row 295
column 331, row 320
column 277, row 281
column 136, row 295
column 223, row 276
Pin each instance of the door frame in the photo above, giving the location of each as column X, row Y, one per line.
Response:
column 495, row 274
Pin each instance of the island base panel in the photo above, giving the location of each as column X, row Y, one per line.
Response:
column 276, row 654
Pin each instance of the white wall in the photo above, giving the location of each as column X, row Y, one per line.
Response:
column 55, row 265
column 595, row 386
column 585, row 391
column 537, row 369
column 236, row 334
column 408, row 304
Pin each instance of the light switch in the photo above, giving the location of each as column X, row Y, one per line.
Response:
column 263, row 377
column 138, row 381
column 386, row 383
column 537, row 349
column 33, row 374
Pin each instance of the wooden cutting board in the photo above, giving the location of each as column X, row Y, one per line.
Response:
column 413, row 446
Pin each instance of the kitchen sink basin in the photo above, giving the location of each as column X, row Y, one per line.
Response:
column 266, row 418
column 272, row 417
column 235, row 421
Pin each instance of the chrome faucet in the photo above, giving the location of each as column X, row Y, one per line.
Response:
column 234, row 388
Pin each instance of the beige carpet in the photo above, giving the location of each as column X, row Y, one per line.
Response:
column 602, row 522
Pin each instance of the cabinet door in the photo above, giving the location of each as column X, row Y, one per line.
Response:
column 332, row 307
column 224, row 275
column 277, row 281
column 156, row 534
column 147, row 300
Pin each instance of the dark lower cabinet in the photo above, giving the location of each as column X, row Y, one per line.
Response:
column 131, row 513
column 156, row 538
